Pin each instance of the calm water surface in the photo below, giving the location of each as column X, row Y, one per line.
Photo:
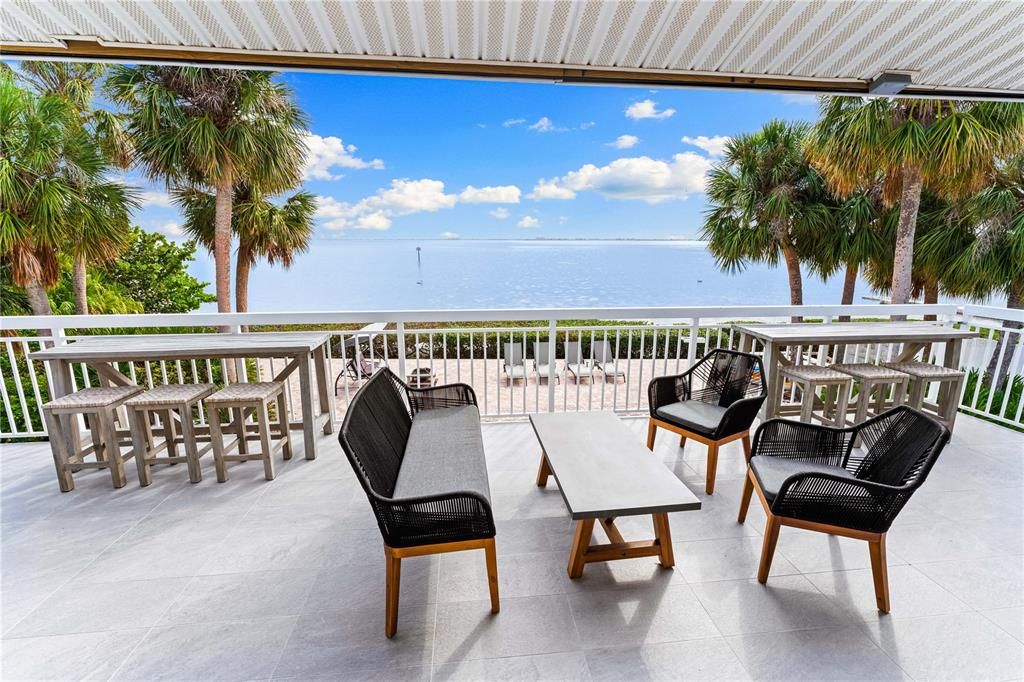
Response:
column 383, row 274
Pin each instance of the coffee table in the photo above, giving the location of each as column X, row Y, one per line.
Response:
column 604, row 471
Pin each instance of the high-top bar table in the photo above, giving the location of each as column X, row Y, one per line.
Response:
column 913, row 335
column 299, row 348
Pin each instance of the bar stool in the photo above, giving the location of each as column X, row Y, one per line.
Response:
column 99, row 405
column 878, row 379
column 923, row 373
column 809, row 378
column 240, row 398
column 166, row 402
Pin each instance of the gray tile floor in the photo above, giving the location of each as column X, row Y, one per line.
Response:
column 251, row 580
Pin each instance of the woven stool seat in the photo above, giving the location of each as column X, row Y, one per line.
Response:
column 814, row 373
column 864, row 370
column 261, row 390
column 95, row 397
column 171, row 395
column 924, row 370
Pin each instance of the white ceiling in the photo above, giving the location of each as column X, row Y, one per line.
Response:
column 949, row 45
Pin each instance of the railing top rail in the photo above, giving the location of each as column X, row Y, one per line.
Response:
column 994, row 312
column 468, row 315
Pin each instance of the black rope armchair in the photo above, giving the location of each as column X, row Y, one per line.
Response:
column 379, row 431
column 811, row 477
column 714, row 402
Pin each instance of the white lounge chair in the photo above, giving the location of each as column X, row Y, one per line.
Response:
column 606, row 361
column 577, row 365
column 514, row 365
column 545, row 365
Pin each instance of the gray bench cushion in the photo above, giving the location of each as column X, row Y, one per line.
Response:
column 445, row 454
column 695, row 415
column 772, row 472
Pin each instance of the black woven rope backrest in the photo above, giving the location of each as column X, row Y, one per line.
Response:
column 375, row 432
column 899, row 446
column 723, row 377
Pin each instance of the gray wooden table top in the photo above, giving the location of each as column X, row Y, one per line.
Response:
column 603, row 469
column 185, row 346
column 854, row 332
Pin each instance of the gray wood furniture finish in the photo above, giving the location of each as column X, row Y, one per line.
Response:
column 241, row 399
column 171, row 402
column 603, row 472
column 300, row 349
column 837, row 385
column 914, row 336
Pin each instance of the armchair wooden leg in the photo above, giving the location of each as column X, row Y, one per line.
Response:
column 748, row 490
column 652, row 430
column 682, row 442
column 393, row 575
column 771, row 538
column 492, row 573
column 880, row 572
column 709, row 483
column 746, row 446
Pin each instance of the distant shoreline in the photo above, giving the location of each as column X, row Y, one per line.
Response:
column 679, row 240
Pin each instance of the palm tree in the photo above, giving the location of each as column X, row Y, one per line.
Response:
column 49, row 164
column 765, row 201
column 101, row 224
column 212, row 128
column 275, row 232
column 909, row 145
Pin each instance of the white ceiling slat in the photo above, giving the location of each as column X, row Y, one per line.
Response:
column 948, row 45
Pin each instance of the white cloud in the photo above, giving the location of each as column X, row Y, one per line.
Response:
column 714, row 146
column 171, row 228
column 450, row 235
column 624, row 141
column 509, row 122
column 544, row 125
column 586, row 125
column 550, row 189
column 325, row 153
column 155, row 198
column 635, row 178
column 501, row 194
column 500, row 213
column 374, row 212
column 647, row 109
column 562, row 220
column 528, row 221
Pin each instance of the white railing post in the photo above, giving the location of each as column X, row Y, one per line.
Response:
column 691, row 351
column 400, row 328
column 550, row 359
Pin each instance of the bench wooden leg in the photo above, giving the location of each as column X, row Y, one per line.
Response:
column 580, row 543
column 492, row 573
column 663, row 535
column 880, row 572
column 393, row 576
column 59, row 447
column 652, row 430
column 682, row 442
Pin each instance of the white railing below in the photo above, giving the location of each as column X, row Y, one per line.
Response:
column 647, row 342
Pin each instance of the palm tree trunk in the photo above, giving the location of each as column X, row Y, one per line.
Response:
column 35, row 292
column 243, row 262
column 849, row 287
column 903, row 261
column 796, row 286
column 222, row 242
column 931, row 297
column 1015, row 301
column 78, row 279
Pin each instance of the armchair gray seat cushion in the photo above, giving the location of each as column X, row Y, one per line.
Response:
column 445, row 453
column 694, row 415
column 772, row 472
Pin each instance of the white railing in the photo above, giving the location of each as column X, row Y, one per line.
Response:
column 647, row 342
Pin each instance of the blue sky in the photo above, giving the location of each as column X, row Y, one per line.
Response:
column 403, row 157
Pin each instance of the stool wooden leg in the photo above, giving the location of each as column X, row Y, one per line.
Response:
column 188, row 437
column 842, row 404
column 136, row 418
column 243, row 444
column 217, row 439
column 99, row 449
column 282, row 418
column 263, row 419
column 170, row 433
column 864, row 401
column 806, row 402
column 109, row 436
column 59, row 447
column 917, row 387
